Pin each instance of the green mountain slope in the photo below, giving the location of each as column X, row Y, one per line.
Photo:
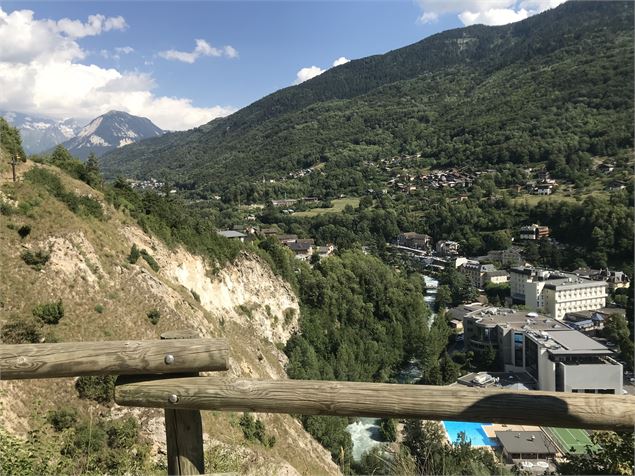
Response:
column 555, row 84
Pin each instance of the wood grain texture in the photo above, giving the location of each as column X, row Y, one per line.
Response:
column 184, row 438
column 26, row 361
column 184, row 428
column 559, row 409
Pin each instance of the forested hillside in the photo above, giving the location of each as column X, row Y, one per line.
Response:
column 547, row 88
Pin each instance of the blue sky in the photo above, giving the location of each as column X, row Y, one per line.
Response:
column 141, row 56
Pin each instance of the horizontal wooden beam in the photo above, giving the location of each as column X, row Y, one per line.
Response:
column 72, row 359
column 311, row 397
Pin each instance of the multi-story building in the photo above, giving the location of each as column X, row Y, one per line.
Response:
column 509, row 257
column 556, row 356
column 447, row 247
column 476, row 272
column 496, row 277
column 414, row 240
column 615, row 279
column 533, row 232
column 554, row 292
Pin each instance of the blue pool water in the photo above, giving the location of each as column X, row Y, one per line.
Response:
column 473, row 432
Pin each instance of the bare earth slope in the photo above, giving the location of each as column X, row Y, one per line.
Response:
column 106, row 298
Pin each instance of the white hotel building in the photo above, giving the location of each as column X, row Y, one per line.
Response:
column 556, row 293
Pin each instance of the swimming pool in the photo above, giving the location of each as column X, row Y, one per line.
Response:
column 473, row 431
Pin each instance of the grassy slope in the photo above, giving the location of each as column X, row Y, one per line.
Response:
column 338, row 206
column 126, row 293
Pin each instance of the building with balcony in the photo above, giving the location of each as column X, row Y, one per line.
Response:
column 554, row 292
column 534, row 232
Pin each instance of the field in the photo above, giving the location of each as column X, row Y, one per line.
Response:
column 533, row 200
column 338, row 206
column 568, row 438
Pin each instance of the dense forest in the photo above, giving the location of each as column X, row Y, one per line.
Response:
column 544, row 89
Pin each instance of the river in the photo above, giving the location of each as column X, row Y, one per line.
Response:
column 365, row 431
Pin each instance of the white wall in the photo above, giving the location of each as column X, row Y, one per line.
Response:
column 546, row 371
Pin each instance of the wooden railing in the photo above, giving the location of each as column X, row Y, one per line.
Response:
column 164, row 374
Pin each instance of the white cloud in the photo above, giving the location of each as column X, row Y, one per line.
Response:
column 117, row 52
column 95, row 25
column 307, row 73
column 312, row 71
column 340, row 60
column 493, row 16
column 203, row 48
column 489, row 12
column 124, row 50
column 42, row 73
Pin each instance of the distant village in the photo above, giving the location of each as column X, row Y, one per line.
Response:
column 302, row 248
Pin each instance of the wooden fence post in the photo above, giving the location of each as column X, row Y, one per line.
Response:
column 183, row 428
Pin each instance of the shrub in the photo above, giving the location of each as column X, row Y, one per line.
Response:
column 245, row 310
column 49, row 313
column 154, row 315
column 122, row 433
column 7, row 209
column 99, row 308
column 24, row 231
column 76, row 203
column 289, row 315
column 36, row 259
column 20, row 332
column 98, row 388
column 134, row 254
column 388, row 429
column 254, row 430
column 62, row 418
column 150, row 260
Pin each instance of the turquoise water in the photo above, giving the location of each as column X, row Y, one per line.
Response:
column 473, row 432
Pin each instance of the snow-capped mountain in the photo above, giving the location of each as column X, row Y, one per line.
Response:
column 39, row 133
column 109, row 131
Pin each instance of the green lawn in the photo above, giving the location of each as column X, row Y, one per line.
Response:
column 570, row 438
column 533, row 200
column 338, row 206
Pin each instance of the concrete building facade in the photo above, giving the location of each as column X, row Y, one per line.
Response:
column 556, row 356
column 555, row 293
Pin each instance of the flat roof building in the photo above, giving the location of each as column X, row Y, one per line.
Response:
column 555, row 292
column 556, row 356
column 525, row 445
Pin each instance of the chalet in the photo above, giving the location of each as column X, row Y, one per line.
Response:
column 287, row 238
column 302, row 251
column 232, row 235
column 534, row 232
column 267, row 232
column 325, row 251
column 616, row 186
column 287, row 202
column 543, row 189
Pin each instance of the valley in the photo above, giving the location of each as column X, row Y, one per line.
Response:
column 457, row 212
